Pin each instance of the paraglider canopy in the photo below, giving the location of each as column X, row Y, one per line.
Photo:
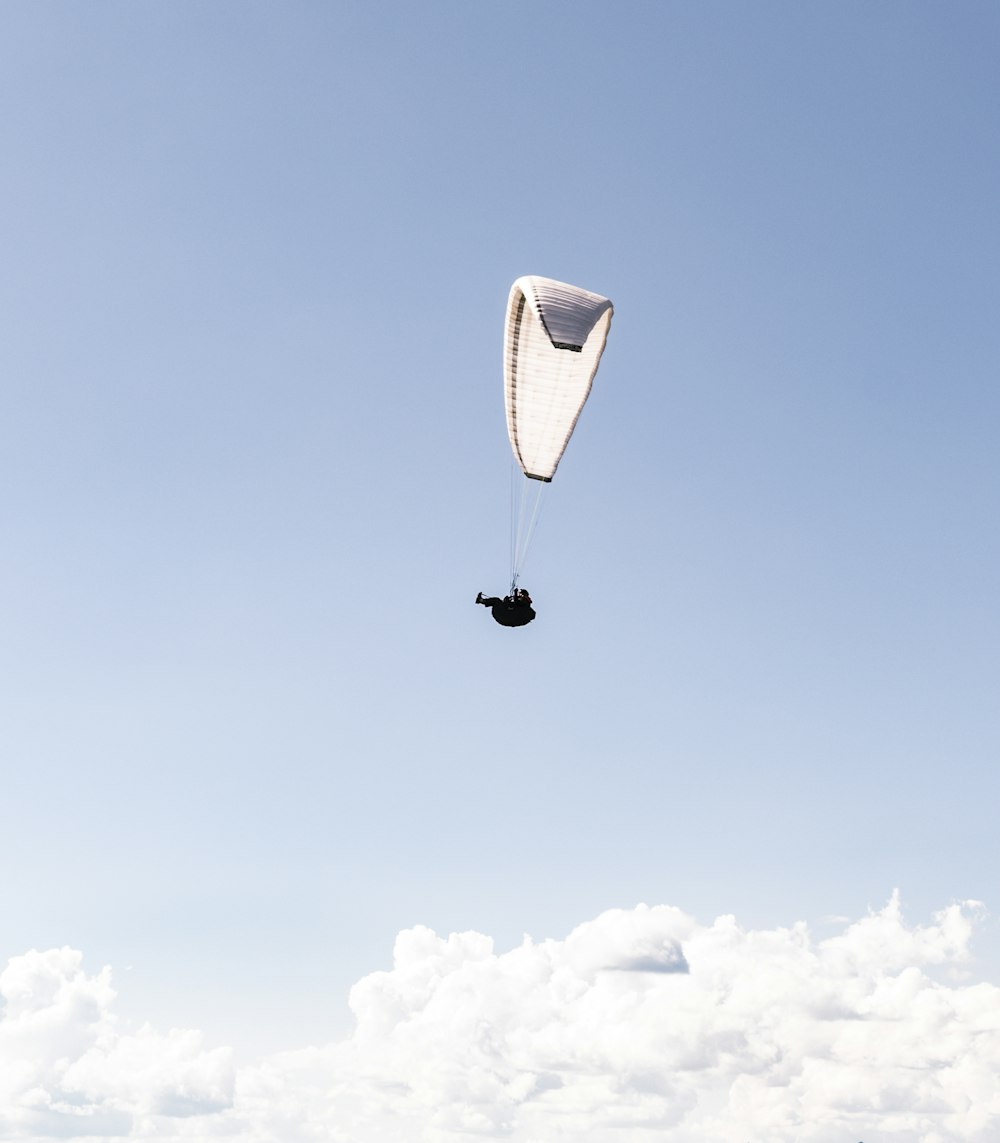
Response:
column 555, row 337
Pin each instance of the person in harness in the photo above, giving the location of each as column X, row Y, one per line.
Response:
column 513, row 610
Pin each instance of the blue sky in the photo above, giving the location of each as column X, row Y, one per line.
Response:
column 254, row 469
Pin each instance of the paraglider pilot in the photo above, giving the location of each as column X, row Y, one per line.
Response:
column 513, row 610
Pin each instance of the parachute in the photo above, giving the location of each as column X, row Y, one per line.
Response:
column 555, row 337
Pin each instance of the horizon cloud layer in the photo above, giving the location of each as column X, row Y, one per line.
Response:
column 641, row 1024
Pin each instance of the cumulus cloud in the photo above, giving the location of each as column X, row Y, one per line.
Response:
column 641, row 1025
column 67, row 1071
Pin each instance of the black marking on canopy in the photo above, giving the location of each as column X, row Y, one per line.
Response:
column 548, row 333
column 515, row 341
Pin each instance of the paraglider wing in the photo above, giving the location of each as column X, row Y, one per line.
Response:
column 555, row 338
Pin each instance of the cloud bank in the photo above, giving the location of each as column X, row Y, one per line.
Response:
column 641, row 1025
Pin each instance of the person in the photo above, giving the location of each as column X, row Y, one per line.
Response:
column 513, row 610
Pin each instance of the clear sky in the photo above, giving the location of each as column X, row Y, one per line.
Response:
column 254, row 260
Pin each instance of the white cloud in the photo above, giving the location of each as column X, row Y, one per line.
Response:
column 66, row 1071
column 641, row 1025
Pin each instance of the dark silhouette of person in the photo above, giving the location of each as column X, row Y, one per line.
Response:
column 513, row 610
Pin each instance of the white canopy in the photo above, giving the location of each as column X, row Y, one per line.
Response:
column 555, row 338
